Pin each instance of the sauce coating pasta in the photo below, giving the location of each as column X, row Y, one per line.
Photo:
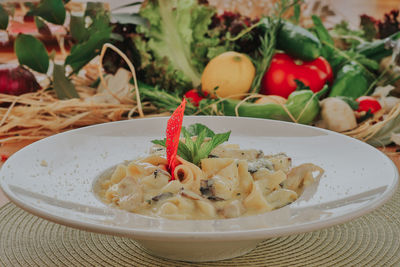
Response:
column 231, row 182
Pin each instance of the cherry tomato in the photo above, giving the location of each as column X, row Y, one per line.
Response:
column 4, row 158
column 195, row 97
column 280, row 79
column 368, row 103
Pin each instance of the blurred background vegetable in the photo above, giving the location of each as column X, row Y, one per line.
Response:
column 17, row 81
column 173, row 46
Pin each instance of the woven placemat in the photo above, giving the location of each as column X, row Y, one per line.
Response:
column 372, row 240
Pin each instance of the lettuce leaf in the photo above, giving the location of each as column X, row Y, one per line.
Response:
column 174, row 44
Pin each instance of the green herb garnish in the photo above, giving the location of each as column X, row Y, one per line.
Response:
column 196, row 149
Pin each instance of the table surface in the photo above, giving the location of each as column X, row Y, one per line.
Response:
column 350, row 10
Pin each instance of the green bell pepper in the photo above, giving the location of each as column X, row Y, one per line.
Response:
column 303, row 105
column 351, row 81
column 298, row 42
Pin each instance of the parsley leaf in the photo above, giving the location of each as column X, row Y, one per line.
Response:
column 195, row 129
column 207, row 147
column 159, row 142
column 196, row 149
column 350, row 101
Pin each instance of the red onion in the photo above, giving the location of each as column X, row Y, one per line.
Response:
column 17, row 81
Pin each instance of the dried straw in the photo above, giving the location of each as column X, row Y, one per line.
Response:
column 131, row 67
column 37, row 115
column 369, row 128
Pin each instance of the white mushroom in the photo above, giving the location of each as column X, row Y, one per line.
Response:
column 382, row 94
column 337, row 115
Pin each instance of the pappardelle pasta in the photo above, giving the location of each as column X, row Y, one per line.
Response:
column 229, row 183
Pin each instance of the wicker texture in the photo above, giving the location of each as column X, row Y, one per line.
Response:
column 372, row 240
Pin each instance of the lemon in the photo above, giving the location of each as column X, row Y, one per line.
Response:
column 228, row 75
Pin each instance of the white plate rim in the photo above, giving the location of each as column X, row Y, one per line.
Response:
column 256, row 234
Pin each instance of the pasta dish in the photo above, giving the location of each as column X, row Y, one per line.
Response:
column 228, row 183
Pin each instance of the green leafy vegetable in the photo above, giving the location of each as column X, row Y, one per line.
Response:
column 126, row 18
column 378, row 49
column 183, row 151
column 128, row 5
column 94, row 8
column 171, row 100
column 42, row 26
column 322, row 32
column 324, row 36
column 62, row 86
column 368, row 25
column 31, row 52
column 365, row 117
column 81, row 54
column 98, row 33
column 340, row 58
column 51, row 10
column 77, row 28
column 197, row 148
column 197, row 128
column 267, row 50
column 366, row 62
column 296, row 13
column 3, row 18
column 164, row 100
column 174, row 45
column 350, row 37
column 381, row 28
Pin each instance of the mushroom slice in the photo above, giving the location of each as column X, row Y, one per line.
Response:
column 190, row 194
column 162, row 196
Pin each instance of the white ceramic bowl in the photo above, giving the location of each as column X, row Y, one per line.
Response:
column 53, row 178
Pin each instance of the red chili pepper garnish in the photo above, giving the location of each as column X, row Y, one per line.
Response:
column 174, row 127
column 4, row 158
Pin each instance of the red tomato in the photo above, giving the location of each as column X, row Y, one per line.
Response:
column 284, row 70
column 368, row 103
column 322, row 64
column 195, row 97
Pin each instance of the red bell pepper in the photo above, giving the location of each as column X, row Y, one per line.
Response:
column 280, row 78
